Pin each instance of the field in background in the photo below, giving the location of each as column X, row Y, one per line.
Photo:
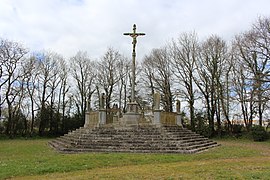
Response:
column 235, row 159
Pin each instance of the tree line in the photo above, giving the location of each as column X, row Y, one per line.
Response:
column 229, row 81
column 217, row 82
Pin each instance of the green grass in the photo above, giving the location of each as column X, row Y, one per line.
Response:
column 235, row 159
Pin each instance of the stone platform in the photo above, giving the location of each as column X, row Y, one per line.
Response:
column 141, row 138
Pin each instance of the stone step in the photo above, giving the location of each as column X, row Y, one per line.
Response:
column 82, row 150
column 142, row 146
column 142, row 138
column 116, row 142
column 60, row 146
column 132, row 148
column 138, row 146
column 199, row 146
column 181, row 138
column 201, row 139
column 139, row 139
column 136, row 150
column 130, row 143
column 203, row 148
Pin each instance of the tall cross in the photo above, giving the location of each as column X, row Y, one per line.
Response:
column 134, row 36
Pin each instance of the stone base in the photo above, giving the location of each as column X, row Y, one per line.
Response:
column 102, row 117
column 157, row 118
column 126, row 140
column 131, row 119
column 87, row 119
column 132, row 107
column 179, row 120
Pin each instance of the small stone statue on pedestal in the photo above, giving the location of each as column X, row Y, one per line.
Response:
column 178, row 106
column 178, row 116
column 102, row 101
column 156, row 101
column 88, row 107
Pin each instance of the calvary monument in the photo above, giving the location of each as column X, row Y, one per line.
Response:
column 159, row 132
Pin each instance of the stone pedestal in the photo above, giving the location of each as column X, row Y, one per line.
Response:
column 157, row 118
column 102, row 117
column 115, row 118
column 131, row 117
column 132, row 108
column 179, row 120
column 87, row 119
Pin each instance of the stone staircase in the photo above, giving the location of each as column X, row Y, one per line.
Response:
column 138, row 139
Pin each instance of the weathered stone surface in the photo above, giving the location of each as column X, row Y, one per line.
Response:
column 137, row 139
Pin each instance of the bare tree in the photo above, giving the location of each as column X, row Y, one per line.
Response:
column 63, row 91
column 225, row 86
column 107, row 76
column 30, row 67
column 161, row 78
column 184, row 54
column 83, row 71
column 54, row 84
column 210, row 71
column 46, row 85
column 148, row 78
column 11, row 55
column 243, row 93
column 253, row 52
column 123, row 70
column 3, row 80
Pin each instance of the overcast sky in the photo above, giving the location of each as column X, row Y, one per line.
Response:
column 67, row 26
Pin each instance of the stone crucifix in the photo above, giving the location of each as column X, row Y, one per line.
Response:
column 134, row 36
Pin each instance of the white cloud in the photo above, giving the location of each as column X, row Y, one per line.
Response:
column 67, row 26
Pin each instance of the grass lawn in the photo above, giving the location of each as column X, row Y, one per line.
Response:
column 235, row 159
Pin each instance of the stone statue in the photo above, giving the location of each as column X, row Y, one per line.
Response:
column 115, row 106
column 134, row 36
column 156, row 101
column 102, row 101
column 88, row 105
column 178, row 106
